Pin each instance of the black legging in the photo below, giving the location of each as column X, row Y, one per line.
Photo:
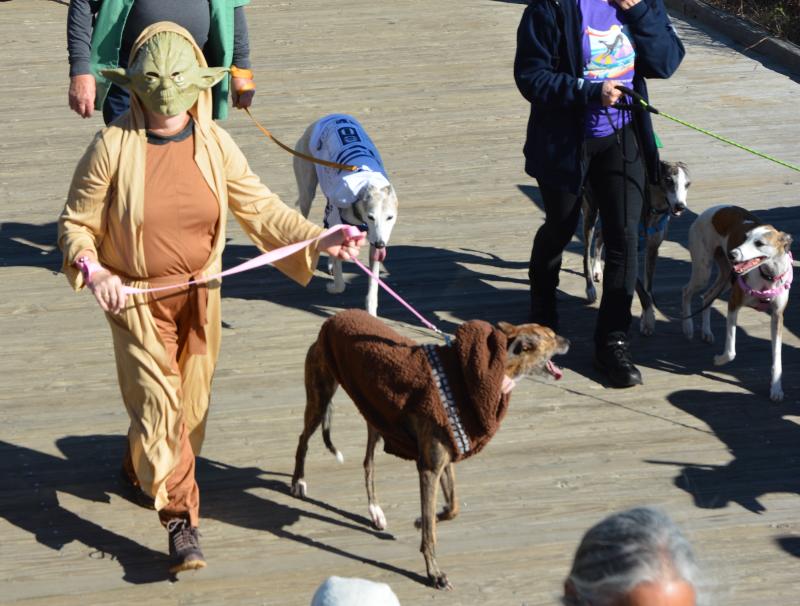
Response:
column 620, row 210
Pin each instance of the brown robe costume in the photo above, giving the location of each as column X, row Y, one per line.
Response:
column 104, row 214
column 388, row 376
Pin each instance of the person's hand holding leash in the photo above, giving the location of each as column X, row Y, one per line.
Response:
column 107, row 288
column 81, row 94
column 343, row 244
column 243, row 88
column 611, row 94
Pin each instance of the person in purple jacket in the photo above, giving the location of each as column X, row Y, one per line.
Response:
column 571, row 55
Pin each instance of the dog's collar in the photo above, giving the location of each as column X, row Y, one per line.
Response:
column 645, row 231
column 446, row 396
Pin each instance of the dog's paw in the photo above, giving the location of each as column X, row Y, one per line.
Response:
column 776, row 393
column 723, row 358
column 299, row 489
column 439, row 581
column 377, row 516
column 591, row 293
column 707, row 336
column 688, row 329
column 334, row 288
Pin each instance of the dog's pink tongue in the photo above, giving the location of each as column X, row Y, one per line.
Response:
column 554, row 370
column 379, row 254
column 742, row 267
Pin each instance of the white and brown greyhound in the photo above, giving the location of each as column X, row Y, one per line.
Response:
column 754, row 258
column 364, row 198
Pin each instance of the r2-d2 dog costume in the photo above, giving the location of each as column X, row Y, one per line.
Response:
column 340, row 138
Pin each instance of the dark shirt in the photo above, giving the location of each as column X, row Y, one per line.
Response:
column 548, row 70
column 194, row 15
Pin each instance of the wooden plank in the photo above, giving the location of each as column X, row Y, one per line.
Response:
column 433, row 84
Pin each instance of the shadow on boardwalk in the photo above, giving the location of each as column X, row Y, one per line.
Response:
column 762, row 443
column 465, row 284
column 31, row 481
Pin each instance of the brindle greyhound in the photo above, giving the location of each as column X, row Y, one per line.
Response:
column 528, row 352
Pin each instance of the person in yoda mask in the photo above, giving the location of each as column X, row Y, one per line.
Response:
column 147, row 207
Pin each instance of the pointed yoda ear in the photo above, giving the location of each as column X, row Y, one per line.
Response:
column 209, row 76
column 118, row 76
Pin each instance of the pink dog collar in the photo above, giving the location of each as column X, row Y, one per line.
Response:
column 780, row 284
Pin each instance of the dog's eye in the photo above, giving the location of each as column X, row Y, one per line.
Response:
column 390, row 218
column 669, row 181
column 759, row 243
column 371, row 217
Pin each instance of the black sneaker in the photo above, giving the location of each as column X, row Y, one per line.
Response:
column 614, row 359
column 184, row 546
column 543, row 311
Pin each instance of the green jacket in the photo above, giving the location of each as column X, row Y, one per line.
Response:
column 107, row 37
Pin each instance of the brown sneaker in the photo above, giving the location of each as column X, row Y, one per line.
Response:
column 184, row 546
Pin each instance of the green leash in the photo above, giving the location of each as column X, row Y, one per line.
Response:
column 653, row 110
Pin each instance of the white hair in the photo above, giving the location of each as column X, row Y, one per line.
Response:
column 625, row 549
column 339, row 591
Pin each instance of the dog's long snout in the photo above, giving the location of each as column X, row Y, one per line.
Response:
column 735, row 255
column 680, row 207
column 380, row 244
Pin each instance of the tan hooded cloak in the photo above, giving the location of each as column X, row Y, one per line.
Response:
column 104, row 213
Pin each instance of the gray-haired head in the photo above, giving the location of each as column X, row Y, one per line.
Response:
column 636, row 546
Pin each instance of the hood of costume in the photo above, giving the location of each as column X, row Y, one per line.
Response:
column 104, row 213
column 165, row 74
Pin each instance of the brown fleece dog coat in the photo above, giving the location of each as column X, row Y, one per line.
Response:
column 387, row 376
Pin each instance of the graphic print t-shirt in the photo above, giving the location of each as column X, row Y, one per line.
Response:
column 608, row 54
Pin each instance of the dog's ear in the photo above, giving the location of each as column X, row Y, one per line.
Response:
column 509, row 329
column 786, row 241
column 523, row 342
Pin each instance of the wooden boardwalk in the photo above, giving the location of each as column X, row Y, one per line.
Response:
column 432, row 82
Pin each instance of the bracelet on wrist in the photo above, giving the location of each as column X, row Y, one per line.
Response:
column 88, row 267
column 241, row 72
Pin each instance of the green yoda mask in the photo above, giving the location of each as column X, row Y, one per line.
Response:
column 165, row 74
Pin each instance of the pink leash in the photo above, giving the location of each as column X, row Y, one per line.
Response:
column 265, row 259
column 279, row 253
column 399, row 298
